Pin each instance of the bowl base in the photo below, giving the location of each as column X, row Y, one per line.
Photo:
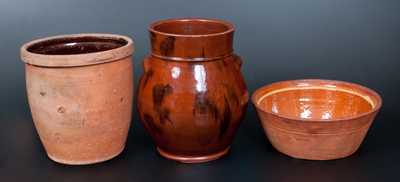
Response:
column 84, row 162
column 317, row 157
column 193, row 159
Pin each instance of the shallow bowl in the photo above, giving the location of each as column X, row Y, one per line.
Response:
column 316, row 119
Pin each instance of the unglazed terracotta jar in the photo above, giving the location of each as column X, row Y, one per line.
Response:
column 80, row 94
column 192, row 96
column 316, row 119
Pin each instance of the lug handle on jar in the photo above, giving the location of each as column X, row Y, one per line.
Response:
column 238, row 61
column 146, row 64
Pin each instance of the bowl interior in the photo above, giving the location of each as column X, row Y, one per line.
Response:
column 315, row 102
column 76, row 45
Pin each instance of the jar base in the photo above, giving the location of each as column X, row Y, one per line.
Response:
column 84, row 162
column 193, row 159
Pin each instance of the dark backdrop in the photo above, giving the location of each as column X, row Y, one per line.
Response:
column 350, row 40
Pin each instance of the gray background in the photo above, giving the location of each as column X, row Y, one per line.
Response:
column 350, row 40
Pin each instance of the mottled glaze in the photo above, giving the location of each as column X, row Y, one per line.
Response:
column 80, row 91
column 316, row 119
column 192, row 96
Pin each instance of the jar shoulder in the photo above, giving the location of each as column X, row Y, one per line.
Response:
column 198, row 76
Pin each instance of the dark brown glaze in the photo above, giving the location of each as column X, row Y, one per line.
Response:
column 159, row 93
column 76, row 45
column 192, row 96
column 225, row 120
column 147, row 75
column 150, row 124
column 316, row 119
column 167, row 45
column 203, row 105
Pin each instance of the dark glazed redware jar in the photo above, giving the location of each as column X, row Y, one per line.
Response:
column 192, row 96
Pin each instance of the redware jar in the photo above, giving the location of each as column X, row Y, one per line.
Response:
column 80, row 91
column 192, row 96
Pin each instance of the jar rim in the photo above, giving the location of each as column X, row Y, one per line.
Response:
column 228, row 27
column 125, row 49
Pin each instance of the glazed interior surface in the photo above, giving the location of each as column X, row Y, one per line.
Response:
column 191, row 27
column 315, row 103
column 76, row 45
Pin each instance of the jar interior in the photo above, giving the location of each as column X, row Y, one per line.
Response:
column 192, row 27
column 76, row 45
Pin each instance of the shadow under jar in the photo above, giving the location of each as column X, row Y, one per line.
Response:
column 192, row 96
column 80, row 91
column 316, row 119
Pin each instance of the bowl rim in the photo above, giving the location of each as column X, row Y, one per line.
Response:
column 357, row 86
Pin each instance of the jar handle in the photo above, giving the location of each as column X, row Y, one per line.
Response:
column 238, row 61
column 146, row 65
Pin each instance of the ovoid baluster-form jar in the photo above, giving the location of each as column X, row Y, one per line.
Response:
column 80, row 91
column 192, row 96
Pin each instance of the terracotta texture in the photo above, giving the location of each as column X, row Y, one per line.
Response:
column 316, row 119
column 192, row 96
column 80, row 94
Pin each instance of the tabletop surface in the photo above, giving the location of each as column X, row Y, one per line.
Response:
column 251, row 158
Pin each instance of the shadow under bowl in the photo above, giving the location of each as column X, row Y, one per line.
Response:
column 316, row 119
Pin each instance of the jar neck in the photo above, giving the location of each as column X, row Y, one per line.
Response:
column 191, row 39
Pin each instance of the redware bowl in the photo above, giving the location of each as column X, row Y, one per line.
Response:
column 316, row 119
